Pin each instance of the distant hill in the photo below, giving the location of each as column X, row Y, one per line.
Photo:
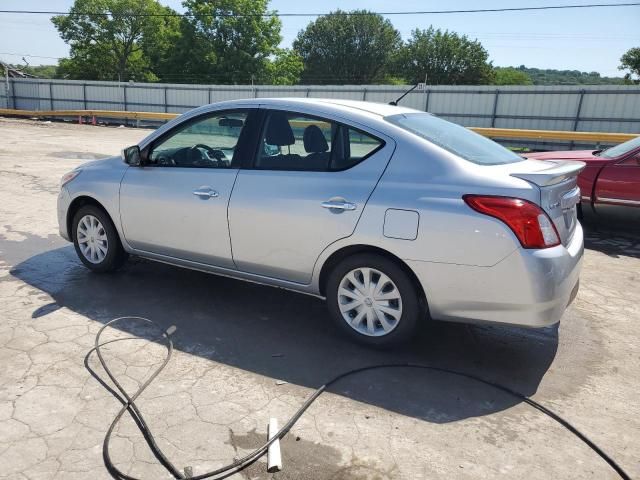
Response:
column 550, row 76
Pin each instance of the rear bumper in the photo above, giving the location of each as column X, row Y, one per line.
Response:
column 64, row 200
column 528, row 288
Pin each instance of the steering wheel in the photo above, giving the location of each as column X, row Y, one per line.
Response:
column 214, row 155
column 165, row 160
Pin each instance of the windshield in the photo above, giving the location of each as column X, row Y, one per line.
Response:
column 455, row 138
column 621, row 149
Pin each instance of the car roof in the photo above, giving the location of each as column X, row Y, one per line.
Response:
column 353, row 106
column 381, row 109
column 365, row 113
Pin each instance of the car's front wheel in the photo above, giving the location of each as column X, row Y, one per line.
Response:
column 373, row 300
column 96, row 240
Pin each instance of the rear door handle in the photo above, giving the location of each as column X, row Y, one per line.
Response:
column 339, row 205
column 205, row 193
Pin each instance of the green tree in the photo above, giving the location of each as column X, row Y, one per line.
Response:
column 284, row 69
column 158, row 45
column 446, row 58
column 510, row 76
column 225, row 41
column 113, row 39
column 631, row 61
column 347, row 49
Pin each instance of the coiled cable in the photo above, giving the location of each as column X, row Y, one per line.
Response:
column 129, row 405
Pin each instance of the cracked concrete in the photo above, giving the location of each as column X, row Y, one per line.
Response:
column 235, row 341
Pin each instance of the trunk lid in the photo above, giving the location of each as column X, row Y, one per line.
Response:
column 559, row 191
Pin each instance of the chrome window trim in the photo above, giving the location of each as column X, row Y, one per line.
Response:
column 619, row 200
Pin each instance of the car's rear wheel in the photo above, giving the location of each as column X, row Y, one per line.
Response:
column 96, row 240
column 373, row 300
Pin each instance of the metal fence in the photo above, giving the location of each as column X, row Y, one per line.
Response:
column 613, row 108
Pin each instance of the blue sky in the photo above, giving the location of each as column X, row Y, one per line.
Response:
column 584, row 39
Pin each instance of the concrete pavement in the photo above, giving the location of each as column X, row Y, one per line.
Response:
column 245, row 352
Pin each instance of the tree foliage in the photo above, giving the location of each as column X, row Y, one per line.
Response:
column 510, row 76
column 446, row 58
column 237, row 42
column 284, row 68
column 114, row 39
column 631, row 61
column 216, row 47
column 347, row 49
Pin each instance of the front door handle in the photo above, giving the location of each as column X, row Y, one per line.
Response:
column 339, row 205
column 205, row 193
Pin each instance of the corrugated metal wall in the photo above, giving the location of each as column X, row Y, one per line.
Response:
column 586, row 108
column 3, row 95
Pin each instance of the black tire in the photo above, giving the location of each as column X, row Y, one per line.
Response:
column 115, row 255
column 411, row 313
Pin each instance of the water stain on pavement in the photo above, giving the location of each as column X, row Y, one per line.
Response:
column 305, row 459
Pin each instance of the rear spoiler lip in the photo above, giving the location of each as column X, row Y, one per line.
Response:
column 558, row 172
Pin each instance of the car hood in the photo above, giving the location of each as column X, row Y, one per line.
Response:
column 110, row 162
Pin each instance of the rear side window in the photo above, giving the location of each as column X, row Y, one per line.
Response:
column 455, row 139
column 291, row 141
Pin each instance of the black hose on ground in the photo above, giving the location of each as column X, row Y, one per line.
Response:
column 129, row 405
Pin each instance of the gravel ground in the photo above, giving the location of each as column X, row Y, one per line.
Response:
column 245, row 353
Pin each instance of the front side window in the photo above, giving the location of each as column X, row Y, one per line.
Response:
column 291, row 141
column 209, row 142
column 455, row 139
column 622, row 149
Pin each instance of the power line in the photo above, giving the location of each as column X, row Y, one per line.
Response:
column 28, row 55
column 358, row 13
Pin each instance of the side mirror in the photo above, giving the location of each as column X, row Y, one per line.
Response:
column 132, row 156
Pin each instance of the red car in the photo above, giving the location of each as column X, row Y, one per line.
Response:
column 610, row 183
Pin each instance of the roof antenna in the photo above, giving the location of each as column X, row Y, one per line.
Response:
column 419, row 84
column 395, row 102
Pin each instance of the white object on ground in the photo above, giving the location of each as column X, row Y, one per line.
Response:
column 274, row 459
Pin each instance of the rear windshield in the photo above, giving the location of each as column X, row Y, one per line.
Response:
column 456, row 139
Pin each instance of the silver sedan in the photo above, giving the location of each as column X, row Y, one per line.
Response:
column 393, row 215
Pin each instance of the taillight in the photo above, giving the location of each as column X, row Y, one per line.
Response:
column 529, row 222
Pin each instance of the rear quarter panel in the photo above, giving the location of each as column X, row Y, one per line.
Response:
column 430, row 181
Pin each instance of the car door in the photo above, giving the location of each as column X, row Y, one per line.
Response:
column 307, row 187
column 175, row 204
column 617, row 191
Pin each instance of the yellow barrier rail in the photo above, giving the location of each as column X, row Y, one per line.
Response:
column 589, row 137
column 501, row 133
column 90, row 113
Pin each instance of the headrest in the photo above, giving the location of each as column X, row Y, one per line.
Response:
column 278, row 130
column 314, row 141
